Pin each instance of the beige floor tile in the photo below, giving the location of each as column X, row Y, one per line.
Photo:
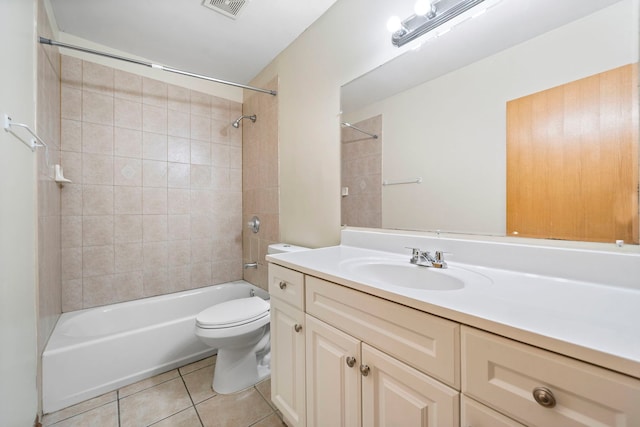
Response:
column 264, row 388
column 272, row 420
column 154, row 404
column 103, row 416
column 186, row 418
column 147, row 383
column 198, row 365
column 234, row 410
column 71, row 411
column 199, row 384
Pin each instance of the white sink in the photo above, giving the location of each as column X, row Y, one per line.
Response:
column 406, row 275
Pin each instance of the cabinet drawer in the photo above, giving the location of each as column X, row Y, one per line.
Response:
column 504, row 374
column 474, row 414
column 426, row 342
column 286, row 285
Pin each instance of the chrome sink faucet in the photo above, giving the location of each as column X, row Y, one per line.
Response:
column 424, row 258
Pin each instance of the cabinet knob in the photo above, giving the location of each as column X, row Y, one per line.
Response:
column 364, row 370
column 283, row 284
column 544, row 397
column 351, row 361
column 297, row 327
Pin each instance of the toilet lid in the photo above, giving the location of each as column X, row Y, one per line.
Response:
column 233, row 313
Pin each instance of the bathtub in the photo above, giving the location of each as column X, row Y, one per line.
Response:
column 97, row 350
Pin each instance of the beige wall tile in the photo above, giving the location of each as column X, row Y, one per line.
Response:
column 179, row 175
column 179, row 227
column 71, row 267
column 127, row 114
column 200, row 128
column 154, row 119
column 127, row 228
column 154, row 146
column 200, row 153
column 179, row 253
column 179, row 99
column 128, row 257
column 127, row 171
column 156, row 281
column 71, row 135
column 128, row 286
column 154, row 173
column 71, row 231
column 128, row 86
column 97, row 169
column 200, row 274
column 71, row 199
column 128, row 142
column 127, row 200
column 220, row 155
column 154, row 201
column 201, row 249
column 71, row 295
column 179, row 201
column 97, row 200
column 179, row 277
column 97, row 108
column 97, row 78
column 155, row 254
column 71, row 162
column 220, row 130
column 97, row 261
column 154, row 228
column 97, row 230
column 71, row 71
column 71, row 103
column 179, row 150
column 154, row 92
column 201, row 176
column 97, row 139
column 178, row 124
column 220, row 109
column 200, row 104
column 98, row 290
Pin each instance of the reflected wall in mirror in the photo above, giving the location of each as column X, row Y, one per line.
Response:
column 450, row 128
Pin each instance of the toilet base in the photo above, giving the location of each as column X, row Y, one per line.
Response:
column 237, row 369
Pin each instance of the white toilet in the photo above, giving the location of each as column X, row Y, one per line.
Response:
column 239, row 329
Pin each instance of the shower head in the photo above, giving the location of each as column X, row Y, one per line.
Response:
column 236, row 124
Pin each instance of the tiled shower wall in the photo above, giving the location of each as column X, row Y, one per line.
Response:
column 260, row 175
column 48, row 128
column 362, row 174
column 156, row 201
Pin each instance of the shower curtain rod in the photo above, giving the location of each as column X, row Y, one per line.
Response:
column 44, row 40
column 372, row 135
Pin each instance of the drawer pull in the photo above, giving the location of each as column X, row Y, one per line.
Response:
column 283, row 285
column 351, row 361
column 364, row 370
column 544, row 397
column 297, row 327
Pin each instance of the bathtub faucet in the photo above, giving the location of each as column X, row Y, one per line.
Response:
column 424, row 258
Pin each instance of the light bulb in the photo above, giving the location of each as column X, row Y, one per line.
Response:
column 422, row 7
column 394, row 24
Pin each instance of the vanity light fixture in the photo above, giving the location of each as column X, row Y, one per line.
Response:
column 428, row 16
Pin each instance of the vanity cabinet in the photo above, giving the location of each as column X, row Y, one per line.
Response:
column 343, row 357
column 286, row 288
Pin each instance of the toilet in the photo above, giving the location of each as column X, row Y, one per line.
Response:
column 239, row 329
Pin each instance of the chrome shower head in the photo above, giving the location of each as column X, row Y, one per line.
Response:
column 236, row 124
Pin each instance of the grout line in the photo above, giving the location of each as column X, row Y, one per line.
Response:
column 118, row 404
column 193, row 404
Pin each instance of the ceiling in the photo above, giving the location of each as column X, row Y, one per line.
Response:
column 186, row 35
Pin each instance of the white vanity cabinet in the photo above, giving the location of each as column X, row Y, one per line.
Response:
column 286, row 288
column 362, row 359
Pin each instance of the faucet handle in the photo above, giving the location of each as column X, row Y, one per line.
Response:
column 415, row 254
column 439, row 261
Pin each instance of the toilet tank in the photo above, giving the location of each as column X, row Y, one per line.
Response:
column 279, row 248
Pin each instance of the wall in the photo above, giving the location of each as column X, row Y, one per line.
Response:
column 260, row 193
column 18, row 353
column 465, row 165
column 155, row 204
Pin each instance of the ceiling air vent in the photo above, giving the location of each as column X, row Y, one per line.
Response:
column 229, row 8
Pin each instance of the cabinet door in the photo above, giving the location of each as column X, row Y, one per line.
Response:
column 333, row 376
column 287, row 361
column 394, row 394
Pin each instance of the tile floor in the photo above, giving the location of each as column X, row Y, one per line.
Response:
column 179, row 398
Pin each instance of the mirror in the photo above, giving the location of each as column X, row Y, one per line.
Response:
column 440, row 111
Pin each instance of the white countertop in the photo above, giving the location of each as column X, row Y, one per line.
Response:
column 592, row 322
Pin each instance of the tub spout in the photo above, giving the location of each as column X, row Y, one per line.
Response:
column 251, row 265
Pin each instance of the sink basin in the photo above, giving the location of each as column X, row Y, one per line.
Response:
column 406, row 275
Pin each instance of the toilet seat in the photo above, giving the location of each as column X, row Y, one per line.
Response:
column 233, row 313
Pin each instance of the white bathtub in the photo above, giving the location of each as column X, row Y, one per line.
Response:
column 97, row 350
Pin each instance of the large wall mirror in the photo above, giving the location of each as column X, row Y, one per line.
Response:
column 439, row 112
